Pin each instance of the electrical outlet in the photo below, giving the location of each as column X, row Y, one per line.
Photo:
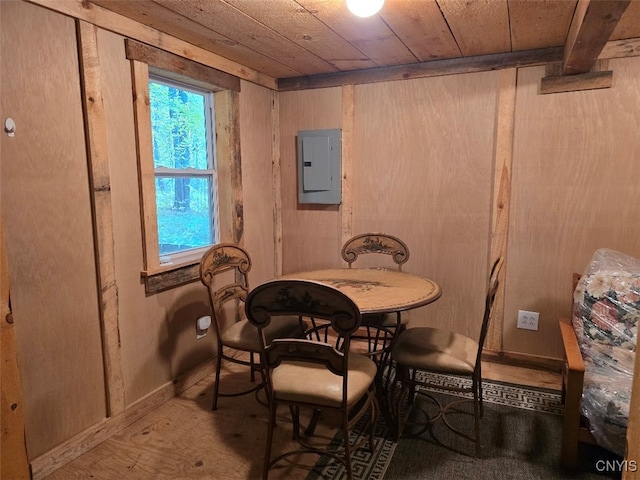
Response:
column 202, row 324
column 528, row 320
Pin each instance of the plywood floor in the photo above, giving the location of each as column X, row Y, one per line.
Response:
column 185, row 439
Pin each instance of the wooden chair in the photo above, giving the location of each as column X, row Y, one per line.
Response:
column 313, row 373
column 226, row 294
column 434, row 350
column 380, row 328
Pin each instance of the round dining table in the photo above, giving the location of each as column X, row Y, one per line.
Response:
column 376, row 290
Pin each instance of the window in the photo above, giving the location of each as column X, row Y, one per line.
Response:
column 184, row 166
column 188, row 142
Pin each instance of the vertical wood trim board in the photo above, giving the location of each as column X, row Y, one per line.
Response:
column 98, row 163
column 229, row 168
column 146, row 175
column 348, row 118
column 505, row 118
column 276, row 180
column 235, row 159
column 13, row 450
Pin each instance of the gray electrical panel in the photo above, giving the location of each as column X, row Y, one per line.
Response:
column 319, row 169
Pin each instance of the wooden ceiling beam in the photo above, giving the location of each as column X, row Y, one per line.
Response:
column 592, row 25
column 434, row 68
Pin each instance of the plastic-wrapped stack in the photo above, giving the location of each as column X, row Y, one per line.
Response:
column 606, row 310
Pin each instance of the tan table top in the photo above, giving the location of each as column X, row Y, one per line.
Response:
column 376, row 290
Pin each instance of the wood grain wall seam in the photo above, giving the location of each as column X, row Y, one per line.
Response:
column 348, row 118
column 503, row 155
column 100, row 187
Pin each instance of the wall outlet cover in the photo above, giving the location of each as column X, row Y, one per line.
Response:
column 528, row 320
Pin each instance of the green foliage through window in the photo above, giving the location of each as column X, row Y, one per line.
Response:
column 184, row 166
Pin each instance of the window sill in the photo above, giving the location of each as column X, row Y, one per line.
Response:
column 171, row 275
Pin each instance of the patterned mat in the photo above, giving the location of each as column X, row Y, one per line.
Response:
column 372, row 466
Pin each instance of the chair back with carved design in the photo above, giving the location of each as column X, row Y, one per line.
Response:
column 379, row 243
column 379, row 329
column 221, row 258
column 224, row 271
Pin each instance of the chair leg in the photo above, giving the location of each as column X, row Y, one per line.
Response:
column 412, row 385
column 216, row 385
column 477, row 407
column 373, row 415
column 267, row 456
column 252, row 367
column 313, row 422
column 295, row 418
column 347, row 446
column 399, row 426
column 478, row 380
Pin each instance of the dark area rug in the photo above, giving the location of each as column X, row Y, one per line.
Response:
column 518, row 444
column 521, row 437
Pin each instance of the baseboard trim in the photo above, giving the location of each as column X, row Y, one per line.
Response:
column 62, row 454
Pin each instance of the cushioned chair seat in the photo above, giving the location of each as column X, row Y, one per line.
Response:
column 436, row 350
column 244, row 336
column 314, row 383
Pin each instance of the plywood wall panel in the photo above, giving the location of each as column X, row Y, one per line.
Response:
column 48, row 226
column 157, row 332
column 311, row 234
column 256, row 131
column 575, row 189
column 422, row 170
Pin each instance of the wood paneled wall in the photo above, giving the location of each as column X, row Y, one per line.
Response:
column 48, row 227
column 258, row 114
column 157, row 332
column 424, row 156
column 310, row 233
column 420, row 161
column 50, row 240
column 575, row 189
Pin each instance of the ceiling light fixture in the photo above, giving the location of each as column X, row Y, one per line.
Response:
column 364, row 8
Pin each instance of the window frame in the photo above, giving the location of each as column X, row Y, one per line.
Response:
column 149, row 61
column 210, row 172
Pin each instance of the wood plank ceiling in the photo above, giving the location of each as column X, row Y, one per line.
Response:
column 291, row 40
